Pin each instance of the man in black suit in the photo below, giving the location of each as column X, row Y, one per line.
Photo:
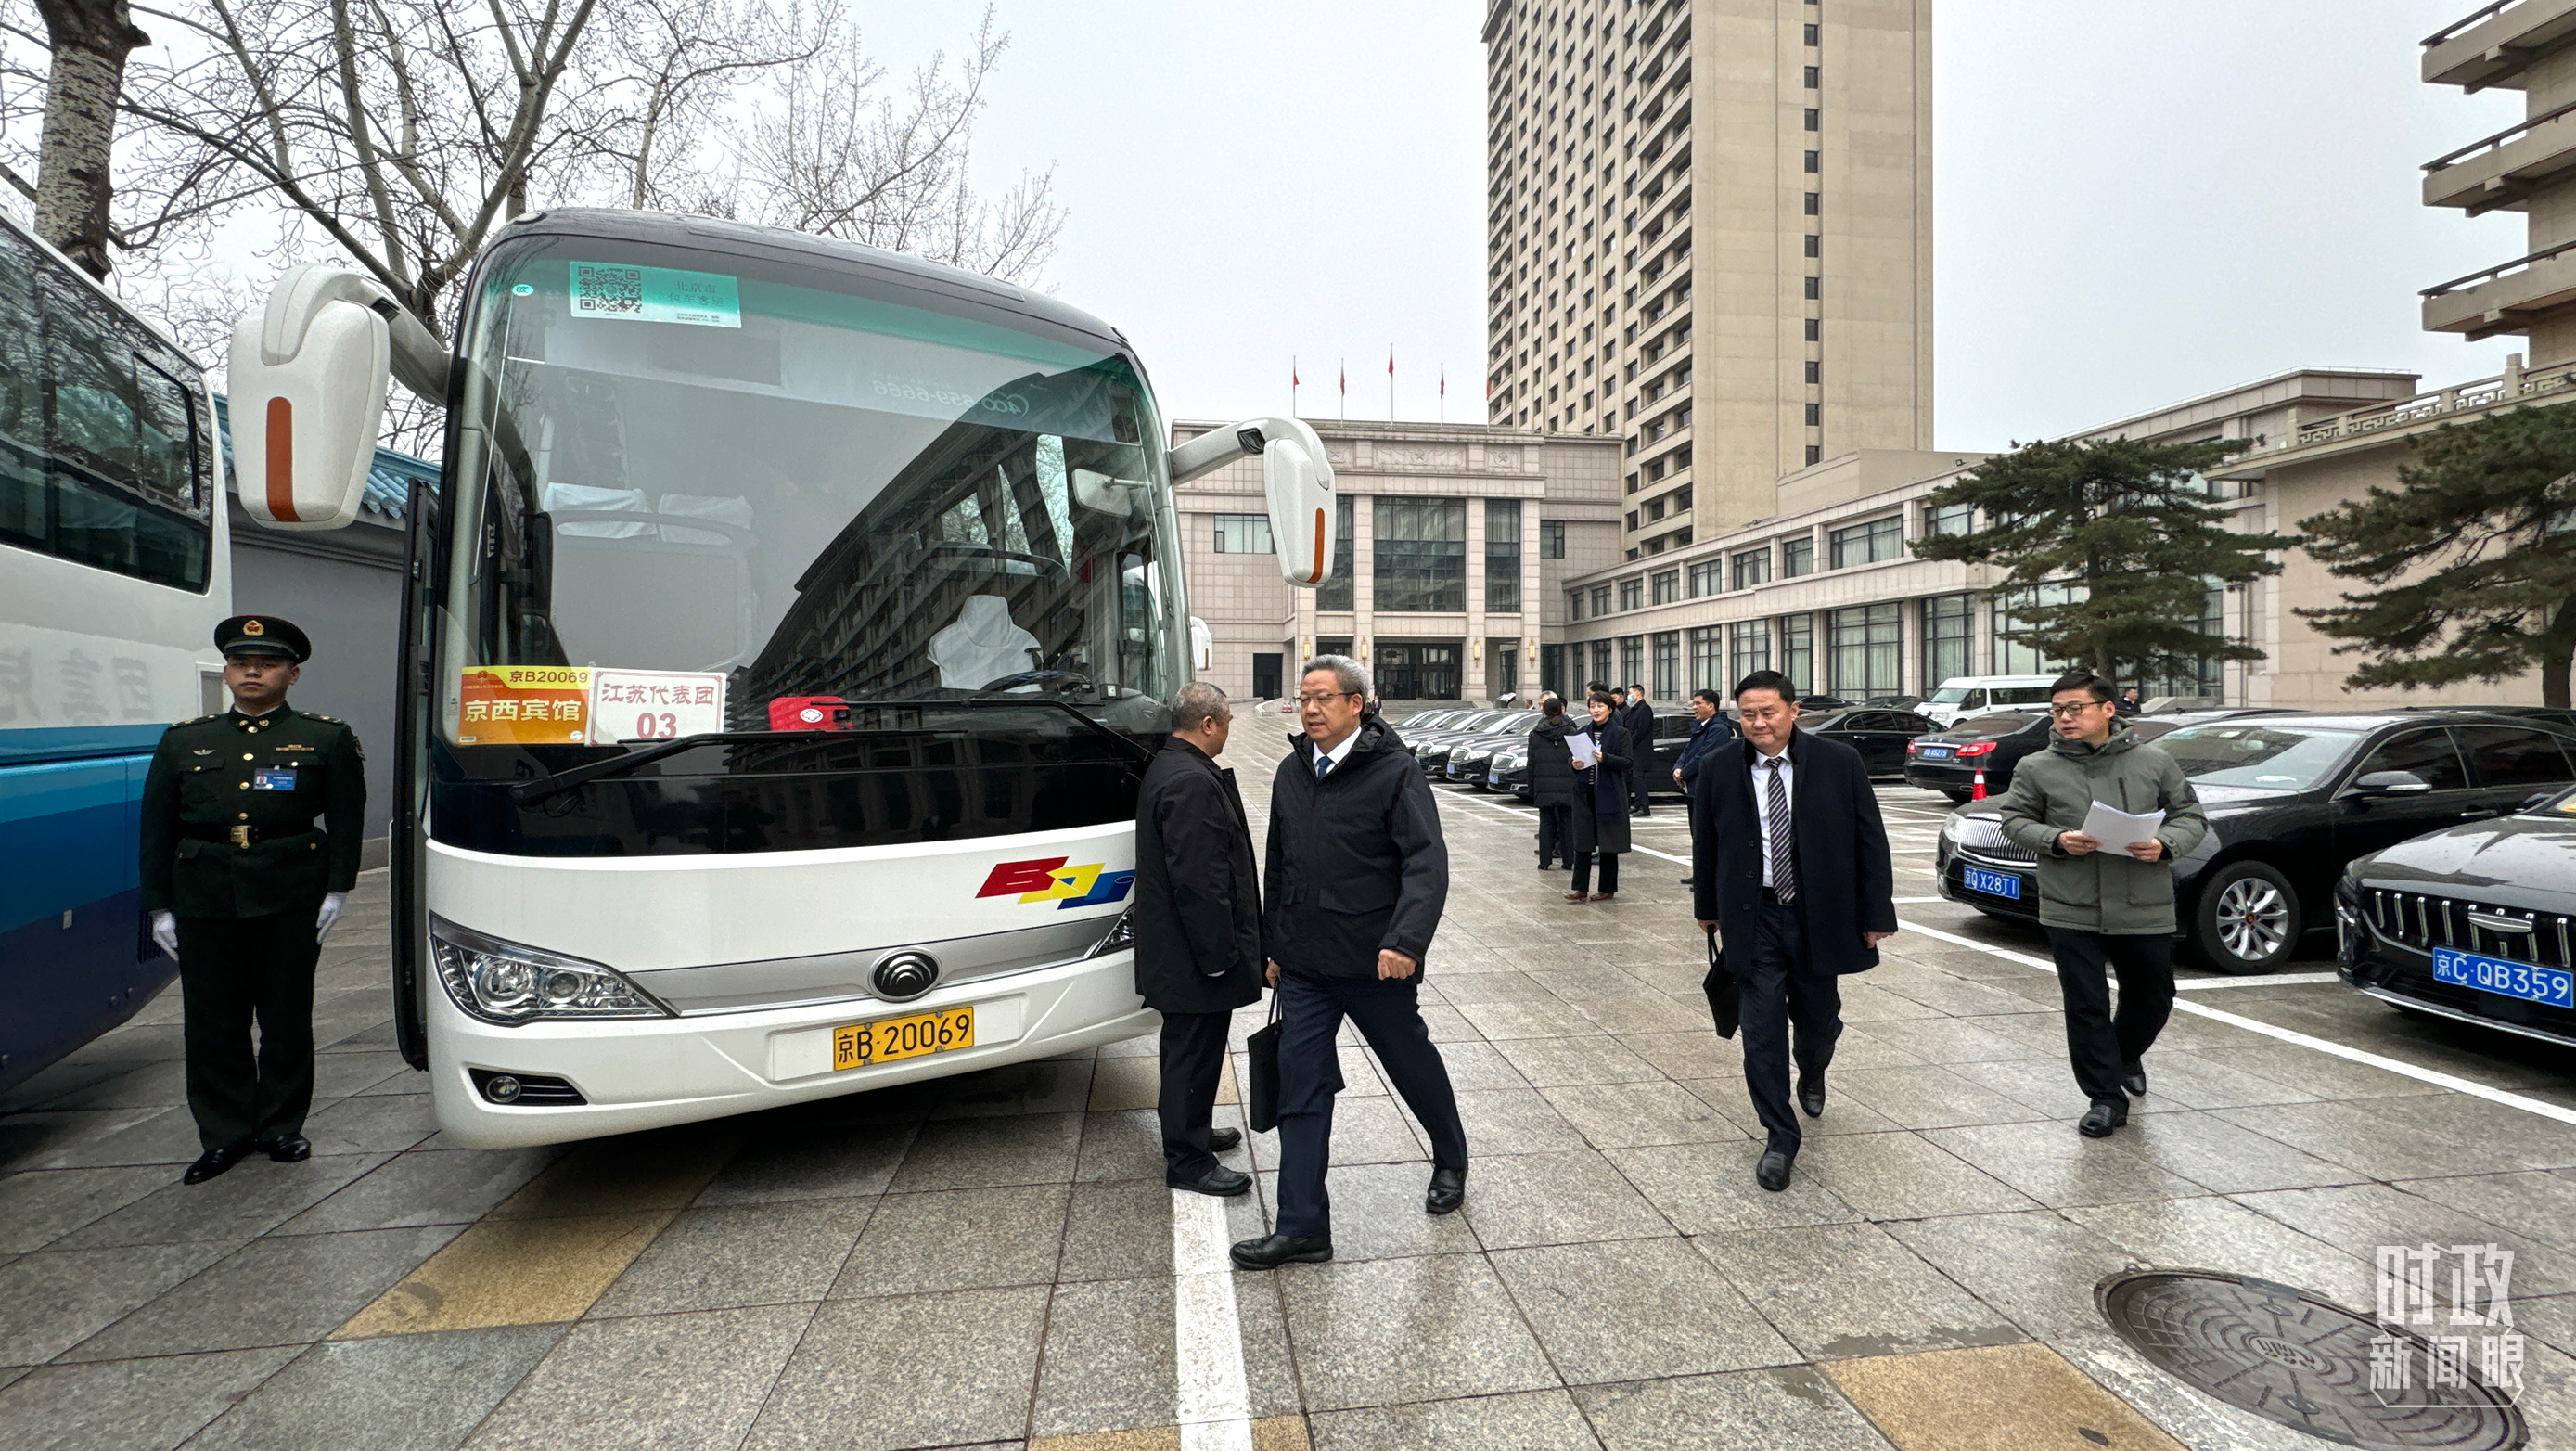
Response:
column 1789, row 865
column 1637, row 723
column 1198, row 931
column 1358, row 873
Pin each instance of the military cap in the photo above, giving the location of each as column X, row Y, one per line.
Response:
column 264, row 634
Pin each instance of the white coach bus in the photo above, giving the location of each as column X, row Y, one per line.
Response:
column 785, row 641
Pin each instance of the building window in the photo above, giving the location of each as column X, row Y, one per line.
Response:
column 1797, row 557
column 1815, row 454
column 1573, row 605
column 1632, row 521
column 1632, row 662
column 1815, row 118
column 1668, row 586
column 1815, row 162
column 1666, row 683
column 1952, row 520
column 1708, row 577
column 1815, row 329
column 1948, row 622
column 1869, row 543
column 1867, row 644
column 1335, row 593
column 1243, row 534
column 2204, row 676
column 1708, row 658
column 1815, row 37
column 1600, row 600
column 1815, row 77
column 1551, row 539
column 2013, row 656
column 1601, row 660
column 1751, row 567
column 1815, row 415
column 1632, row 594
column 1815, row 371
column 1421, row 564
column 1748, row 648
column 1798, row 651
column 1815, row 208
column 1815, row 245
column 1503, row 556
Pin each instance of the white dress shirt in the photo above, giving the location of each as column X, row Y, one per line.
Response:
column 1337, row 753
column 1762, row 798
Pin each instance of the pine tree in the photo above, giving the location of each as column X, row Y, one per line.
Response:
column 2473, row 556
column 2130, row 527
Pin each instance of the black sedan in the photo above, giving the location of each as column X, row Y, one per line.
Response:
column 2477, row 922
column 1433, row 749
column 1948, row 761
column 2291, row 797
column 1880, row 736
column 1508, row 767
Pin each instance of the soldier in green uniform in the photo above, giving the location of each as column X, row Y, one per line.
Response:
column 242, row 886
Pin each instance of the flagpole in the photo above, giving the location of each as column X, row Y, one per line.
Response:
column 1390, row 382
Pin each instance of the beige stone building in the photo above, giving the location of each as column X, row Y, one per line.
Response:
column 1709, row 237
column 1451, row 553
column 1830, row 591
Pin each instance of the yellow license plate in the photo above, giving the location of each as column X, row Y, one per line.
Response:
column 857, row 1045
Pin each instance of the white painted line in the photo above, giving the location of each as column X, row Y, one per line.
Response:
column 2402, row 1069
column 2278, row 979
column 1214, row 1407
column 1901, row 901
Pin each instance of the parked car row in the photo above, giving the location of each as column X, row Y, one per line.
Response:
column 2431, row 826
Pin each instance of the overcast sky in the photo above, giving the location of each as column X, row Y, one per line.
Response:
column 2135, row 201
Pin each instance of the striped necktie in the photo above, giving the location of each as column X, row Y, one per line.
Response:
column 1784, row 847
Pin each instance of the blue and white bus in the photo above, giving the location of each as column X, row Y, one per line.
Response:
column 114, row 569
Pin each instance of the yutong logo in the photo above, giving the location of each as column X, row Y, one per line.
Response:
column 1048, row 879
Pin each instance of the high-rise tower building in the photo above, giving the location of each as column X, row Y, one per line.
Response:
column 1709, row 233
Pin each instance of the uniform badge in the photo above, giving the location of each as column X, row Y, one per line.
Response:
column 200, row 753
column 253, row 627
column 293, row 746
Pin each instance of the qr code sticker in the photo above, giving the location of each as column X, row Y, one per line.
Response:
column 609, row 289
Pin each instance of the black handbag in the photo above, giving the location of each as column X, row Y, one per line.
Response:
column 1721, row 988
column 1261, row 1092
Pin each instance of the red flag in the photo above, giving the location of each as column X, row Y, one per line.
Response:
column 1444, row 380
column 1292, row 372
column 1390, row 362
column 1346, row 378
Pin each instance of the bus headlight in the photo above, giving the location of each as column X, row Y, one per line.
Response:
column 509, row 984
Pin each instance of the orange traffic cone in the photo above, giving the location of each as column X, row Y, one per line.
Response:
column 1977, row 788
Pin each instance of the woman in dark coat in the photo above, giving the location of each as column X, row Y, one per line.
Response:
column 1601, row 807
column 1552, row 785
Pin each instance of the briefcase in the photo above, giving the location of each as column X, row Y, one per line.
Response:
column 1721, row 989
column 1261, row 1094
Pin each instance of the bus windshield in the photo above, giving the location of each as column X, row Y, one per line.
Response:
column 691, row 484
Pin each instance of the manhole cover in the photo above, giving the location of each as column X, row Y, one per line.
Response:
column 2294, row 1358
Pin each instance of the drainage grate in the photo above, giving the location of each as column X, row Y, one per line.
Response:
column 2289, row 1356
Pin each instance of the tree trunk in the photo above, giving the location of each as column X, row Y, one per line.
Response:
column 91, row 39
column 2561, row 651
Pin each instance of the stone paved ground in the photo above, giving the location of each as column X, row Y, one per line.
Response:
column 990, row 1259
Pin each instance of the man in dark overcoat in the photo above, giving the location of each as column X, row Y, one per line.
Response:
column 1198, row 931
column 1637, row 725
column 1358, row 873
column 1789, row 866
column 1552, row 783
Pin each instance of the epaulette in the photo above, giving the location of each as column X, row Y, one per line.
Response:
column 315, row 715
column 200, row 720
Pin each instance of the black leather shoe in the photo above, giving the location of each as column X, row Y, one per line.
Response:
column 1448, row 1190
column 1218, row 1183
column 213, row 1162
column 1271, row 1251
column 1773, row 1172
column 2101, row 1118
column 293, row 1149
column 1811, row 1095
column 2133, row 1078
column 1224, row 1141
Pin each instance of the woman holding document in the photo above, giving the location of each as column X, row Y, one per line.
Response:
column 2106, row 814
column 1600, row 799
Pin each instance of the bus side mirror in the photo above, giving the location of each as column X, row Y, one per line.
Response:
column 1299, row 487
column 307, row 396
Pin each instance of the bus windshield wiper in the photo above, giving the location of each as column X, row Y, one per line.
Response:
column 529, row 793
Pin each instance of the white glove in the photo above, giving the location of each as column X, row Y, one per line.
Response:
column 165, row 933
column 332, row 902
